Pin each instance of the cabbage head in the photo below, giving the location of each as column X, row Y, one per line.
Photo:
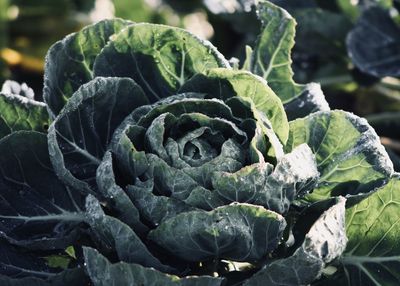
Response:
column 153, row 162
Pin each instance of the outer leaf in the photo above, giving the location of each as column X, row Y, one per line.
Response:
column 116, row 237
column 310, row 99
column 325, row 241
column 79, row 136
column 237, row 232
column 271, row 60
column 103, row 273
column 36, row 209
column 156, row 209
column 118, row 200
column 294, row 175
column 21, row 113
column 374, row 43
column 271, row 54
column 226, row 83
column 349, row 155
column 69, row 63
column 372, row 256
column 19, row 268
column 159, row 58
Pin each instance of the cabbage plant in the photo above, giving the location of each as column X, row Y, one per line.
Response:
column 154, row 162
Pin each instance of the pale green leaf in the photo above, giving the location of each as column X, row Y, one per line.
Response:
column 271, row 60
column 159, row 58
column 21, row 113
column 350, row 157
column 372, row 256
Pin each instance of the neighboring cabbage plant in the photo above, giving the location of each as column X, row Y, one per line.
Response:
column 163, row 165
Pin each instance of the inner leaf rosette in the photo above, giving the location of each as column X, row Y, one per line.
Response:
column 207, row 177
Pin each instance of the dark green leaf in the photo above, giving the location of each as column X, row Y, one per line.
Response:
column 207, row 108
column 239, row 232
column 230, row 159
column 19, row 268
column 103, row 273
column 117, row 199
column 79, row 136
column 180, row 183
column 36, row 209
column 310, row 99
column 325, row 241
column 166, row 180
column 156, row 209
column 69, row 63
column 294, row 175
column 116, row 237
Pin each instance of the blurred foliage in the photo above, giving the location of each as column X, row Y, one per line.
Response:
column 28, row 28
column 3, row 39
